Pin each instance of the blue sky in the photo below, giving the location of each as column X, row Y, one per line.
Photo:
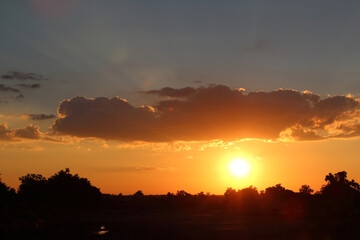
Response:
column 103, row 48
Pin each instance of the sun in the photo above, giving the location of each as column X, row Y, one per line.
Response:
column 239, row 168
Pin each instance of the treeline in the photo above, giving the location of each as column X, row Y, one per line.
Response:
column 41, row 201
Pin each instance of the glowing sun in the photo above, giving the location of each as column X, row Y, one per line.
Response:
column 239, row 168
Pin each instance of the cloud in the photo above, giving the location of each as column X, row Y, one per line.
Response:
column 29, row 86
column 4, row 88
column 215, row 112
column 256, row 47
column 134, row 169
column 30, row 132
column 105, row 118
column 15, row 75
column 172, row 92
column 156, row 146
column 19, row 97
column 39, row 117
column 16, row 134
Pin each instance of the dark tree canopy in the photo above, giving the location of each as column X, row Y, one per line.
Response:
column 63, row 189
column 6, row 194
column 339, row 184
column 306, row 190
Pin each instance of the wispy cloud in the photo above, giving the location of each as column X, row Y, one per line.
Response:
column 4, row 88
column 15, row 75
column 134, row 168
column 29, row 86
column 38, row 117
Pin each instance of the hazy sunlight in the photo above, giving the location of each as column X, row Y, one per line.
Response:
column 239, row 167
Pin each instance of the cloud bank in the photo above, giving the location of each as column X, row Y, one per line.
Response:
column 213, row 112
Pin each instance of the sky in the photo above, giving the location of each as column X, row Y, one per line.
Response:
column 161, row 96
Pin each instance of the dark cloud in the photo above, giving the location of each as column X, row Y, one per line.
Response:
column 105, row 118
column 30, row 86
column 172, row 92
column 208, row 113
column 4, row 88
column 29, row 132
column 15, row 75
column 39, row 117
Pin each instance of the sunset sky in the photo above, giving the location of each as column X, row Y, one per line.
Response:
column 161, row 96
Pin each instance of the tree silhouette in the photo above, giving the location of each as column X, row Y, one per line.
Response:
column 138, row 194
column 230, row 192
column 339, row 184
column 306, row 190
column 33, row 189
column 67, row 190
column 182, row 193
column 6, row 194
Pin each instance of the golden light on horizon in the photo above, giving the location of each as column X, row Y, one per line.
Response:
column 239, row 167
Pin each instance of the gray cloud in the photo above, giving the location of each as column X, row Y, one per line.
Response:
column 208, row 113
column 4, row 88
column 172, row 92
column 38, row 117
column 19, row 97
column 29, row 86
column 15, row 75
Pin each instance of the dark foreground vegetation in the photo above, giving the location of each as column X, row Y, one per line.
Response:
column 66, row 206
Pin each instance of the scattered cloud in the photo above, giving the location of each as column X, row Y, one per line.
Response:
column 4, row 88
column 38, row 117
column 19, row 97
column 156, row 146
column 29, row 86
column 28, row 133
column 172, row 92
column 216, row 112
column 256, row 47
column 15, row 75
column 259, row 45
column 16, row 134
